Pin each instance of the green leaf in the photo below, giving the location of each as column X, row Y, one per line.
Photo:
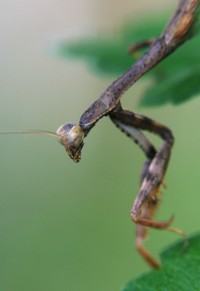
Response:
column 174, row 89
column 180, row 271
column 108, row 54
column 103, row 56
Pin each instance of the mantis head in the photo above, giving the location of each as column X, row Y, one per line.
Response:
column 71, row 136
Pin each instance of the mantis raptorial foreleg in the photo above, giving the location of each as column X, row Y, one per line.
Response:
column 134, row 132
column 152, row 176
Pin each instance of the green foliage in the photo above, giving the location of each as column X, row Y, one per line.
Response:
column 175, row 89
column 180, row 270
column 175, row 80
column 109, row 54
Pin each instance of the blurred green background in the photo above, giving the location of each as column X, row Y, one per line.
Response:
column 66, row 226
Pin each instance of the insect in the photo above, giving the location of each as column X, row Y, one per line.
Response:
column 71, row 135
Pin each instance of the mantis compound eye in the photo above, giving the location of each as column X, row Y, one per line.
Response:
column 71, row 136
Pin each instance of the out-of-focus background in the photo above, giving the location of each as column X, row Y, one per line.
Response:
column 66, row 226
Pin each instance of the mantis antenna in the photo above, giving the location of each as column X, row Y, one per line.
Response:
column 37, row 132
column 70, row 135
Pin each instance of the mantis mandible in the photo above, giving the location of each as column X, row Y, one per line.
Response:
column 71, row 135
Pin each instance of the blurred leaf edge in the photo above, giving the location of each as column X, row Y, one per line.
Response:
column 180, row 269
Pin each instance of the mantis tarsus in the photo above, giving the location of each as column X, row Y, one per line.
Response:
column 180, row 28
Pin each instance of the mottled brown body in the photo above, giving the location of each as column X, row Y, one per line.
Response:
column 180, row 28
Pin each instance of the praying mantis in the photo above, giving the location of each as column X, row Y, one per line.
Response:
column 180, row 28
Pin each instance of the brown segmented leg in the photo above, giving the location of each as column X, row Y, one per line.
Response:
column 152, row 223
column 147, row 201
column 143, row 221
column 154, row 170
column 141, row 234
column 136, row 135
column 145, row 254
column 146, row 215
